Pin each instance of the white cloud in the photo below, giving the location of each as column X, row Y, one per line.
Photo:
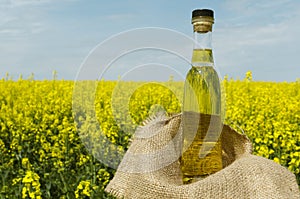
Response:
column 27, row 2
column 261, row 36
column 16, row 21
column 249, row 6
column 17, row 29
column 19, row 17
column 17, row 3
column 8, row 31
column 117, row 17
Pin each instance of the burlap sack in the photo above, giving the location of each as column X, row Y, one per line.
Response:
column 150, row 168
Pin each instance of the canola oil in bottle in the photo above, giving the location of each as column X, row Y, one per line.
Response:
column 202, row 151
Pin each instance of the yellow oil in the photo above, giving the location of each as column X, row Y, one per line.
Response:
column 202, row 150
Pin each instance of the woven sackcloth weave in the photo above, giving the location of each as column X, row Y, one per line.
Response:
column 151, row 169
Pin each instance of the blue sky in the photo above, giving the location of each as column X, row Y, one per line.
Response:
column 40, row 36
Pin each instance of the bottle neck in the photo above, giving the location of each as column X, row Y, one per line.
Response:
column 202, row 53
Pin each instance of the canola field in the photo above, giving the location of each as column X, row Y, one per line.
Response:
column 43, row 151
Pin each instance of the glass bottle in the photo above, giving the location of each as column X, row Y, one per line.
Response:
column 202, row 151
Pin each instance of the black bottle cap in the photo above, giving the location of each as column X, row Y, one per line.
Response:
column 203, row 13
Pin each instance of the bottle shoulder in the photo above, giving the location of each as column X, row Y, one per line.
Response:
column 203, row 72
